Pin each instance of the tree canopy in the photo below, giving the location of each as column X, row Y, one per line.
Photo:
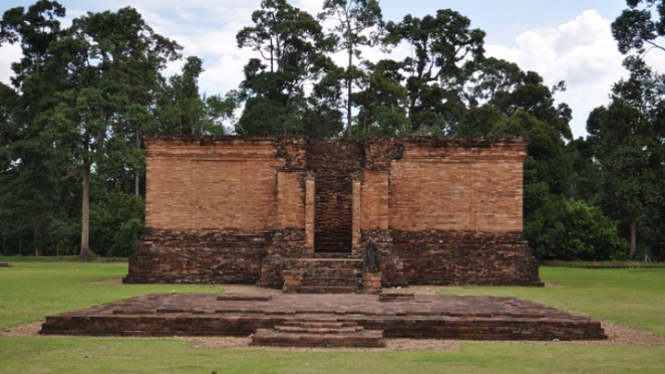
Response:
column 640, row 27
column 81, row 97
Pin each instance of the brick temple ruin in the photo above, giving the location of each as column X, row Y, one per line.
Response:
column 294, row 213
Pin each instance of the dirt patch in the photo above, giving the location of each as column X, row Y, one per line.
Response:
column 392, row 345
column 4, row 265
column 28, row 329
column 618, row 335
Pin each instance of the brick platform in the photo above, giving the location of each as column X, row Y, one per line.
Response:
column 431, row 317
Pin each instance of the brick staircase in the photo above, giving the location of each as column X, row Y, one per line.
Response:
column 320, row 332
column 322, row 275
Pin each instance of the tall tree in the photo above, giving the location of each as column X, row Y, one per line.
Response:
column 382, row 99
column 503, row 86
column 107, row 67
column 357, row 23
column 491, row 78
column 29, row 179
column 181, row 109
column 35, row 29
column 291, row 46
column 442, row 46
column 640, row 27
column 628, row 140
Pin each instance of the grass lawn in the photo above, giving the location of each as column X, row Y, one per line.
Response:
column 31, row 290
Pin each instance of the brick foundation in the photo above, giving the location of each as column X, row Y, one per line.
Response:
column 419, row 317
column 462, row 257
column 166, row 256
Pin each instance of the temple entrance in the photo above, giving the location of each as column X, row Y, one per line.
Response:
column 333, row 215
column 333, row 163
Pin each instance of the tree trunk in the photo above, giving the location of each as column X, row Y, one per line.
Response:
column 136, row 183
column 86, row 253
column 633, row 238
column 136, row 176
column 349, row 84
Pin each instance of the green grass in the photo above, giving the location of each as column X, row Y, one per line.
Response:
column 68, row 355
column 30, row 291
column 603, row 264
column 69, row 258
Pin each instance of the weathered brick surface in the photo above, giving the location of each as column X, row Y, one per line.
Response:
column 428, row 317
column 224, row 256
column 230, row 209
column 466, row 257
column 371, row 283
column 321, row 275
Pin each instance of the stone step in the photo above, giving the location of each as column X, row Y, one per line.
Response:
column 318, row 330
column 330, row 281
column 328, row 289
column 362, row 338
column 334, row 255
column 322, row 319
column 318, row 323
column 333, row 263
column 322, row 275
column 332, row 273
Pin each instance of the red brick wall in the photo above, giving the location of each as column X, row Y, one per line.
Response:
column 228, row 184
column 224, row 209
column 457, row 187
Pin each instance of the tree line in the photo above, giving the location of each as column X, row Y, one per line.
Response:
column 80, row 99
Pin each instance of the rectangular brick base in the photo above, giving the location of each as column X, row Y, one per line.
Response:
column 430, row 317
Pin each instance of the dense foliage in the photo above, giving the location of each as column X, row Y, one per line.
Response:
column 81, row 97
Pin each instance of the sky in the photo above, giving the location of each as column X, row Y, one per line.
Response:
column 566, row 40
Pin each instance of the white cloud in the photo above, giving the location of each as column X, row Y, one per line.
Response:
column 312, row 7
column 582, row 52
column 8, row 54
column 185, row 15
column 223, row 61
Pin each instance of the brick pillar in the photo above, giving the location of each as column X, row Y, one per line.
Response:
column 281, row 200
column 375, row 201
column 309, row 211
column 357, row 214
column 384, row 201
column 290, row 207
